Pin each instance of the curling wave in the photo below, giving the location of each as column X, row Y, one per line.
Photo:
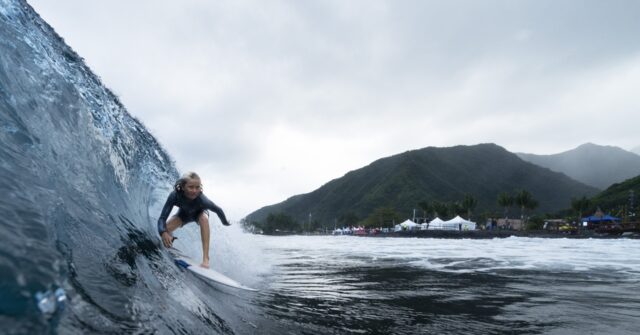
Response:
column 81, row 180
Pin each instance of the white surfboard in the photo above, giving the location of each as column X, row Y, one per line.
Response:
column 187, row 263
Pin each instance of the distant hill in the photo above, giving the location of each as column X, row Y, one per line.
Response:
column 617, row 196
column 595, row 165
column 636, row 150
column 442, row 174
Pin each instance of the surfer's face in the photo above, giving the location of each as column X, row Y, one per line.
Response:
column 192, row 188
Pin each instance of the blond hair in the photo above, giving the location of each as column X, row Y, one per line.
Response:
column 179, row 185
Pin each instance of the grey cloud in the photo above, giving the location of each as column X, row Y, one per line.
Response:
column 215, row 80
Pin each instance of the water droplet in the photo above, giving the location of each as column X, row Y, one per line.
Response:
column 49, row 302
column 46, row 303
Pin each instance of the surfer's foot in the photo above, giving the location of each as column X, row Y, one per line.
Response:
column 205, row 264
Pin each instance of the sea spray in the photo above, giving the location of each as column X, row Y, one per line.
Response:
column 231, row 251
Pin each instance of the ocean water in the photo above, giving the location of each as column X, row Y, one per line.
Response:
column 82, row 183
column 360, row 285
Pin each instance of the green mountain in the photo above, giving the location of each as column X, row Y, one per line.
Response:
column 442, row 174
column 616, row 197
column 595, row 165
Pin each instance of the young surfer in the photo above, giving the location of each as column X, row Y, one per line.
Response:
column 193, row 205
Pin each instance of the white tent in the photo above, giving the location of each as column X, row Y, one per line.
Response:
column 407, row 225
column 460, row 223
column 437, row 222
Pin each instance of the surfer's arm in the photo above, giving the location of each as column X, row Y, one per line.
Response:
column 208, row 204
column 166, row 210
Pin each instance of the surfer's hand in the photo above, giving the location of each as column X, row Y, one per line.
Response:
column 167, row 239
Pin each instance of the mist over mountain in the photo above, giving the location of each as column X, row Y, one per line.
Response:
column 636, row 150
column 441, row 174
column 595, row 165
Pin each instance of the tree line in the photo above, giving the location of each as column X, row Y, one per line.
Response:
column 386, row 216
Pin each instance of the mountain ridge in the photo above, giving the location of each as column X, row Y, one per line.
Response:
column 585, row 163
column 433, row 174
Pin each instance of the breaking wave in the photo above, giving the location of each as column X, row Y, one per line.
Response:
column 82, row 182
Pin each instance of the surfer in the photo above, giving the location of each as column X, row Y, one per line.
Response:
column 193, row 206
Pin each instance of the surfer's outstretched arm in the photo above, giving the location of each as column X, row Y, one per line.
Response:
column 208, row 204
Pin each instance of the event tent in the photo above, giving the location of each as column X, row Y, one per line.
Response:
column 406, row 225
column 437, row 222
column 600, row 218
column 459, row 223
column 426, row 225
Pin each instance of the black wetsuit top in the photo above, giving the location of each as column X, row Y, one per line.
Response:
column 189, row 209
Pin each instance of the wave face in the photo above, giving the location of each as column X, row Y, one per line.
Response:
column 81, row 181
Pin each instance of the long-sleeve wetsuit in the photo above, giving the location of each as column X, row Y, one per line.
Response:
column 189, row 209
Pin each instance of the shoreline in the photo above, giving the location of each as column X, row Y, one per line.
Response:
column 484, row 234
column 490, row 234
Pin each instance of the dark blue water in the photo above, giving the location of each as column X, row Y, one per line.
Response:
column 81, row 182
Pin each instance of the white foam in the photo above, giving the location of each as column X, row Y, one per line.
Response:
column 231, row 251
column 467, row 255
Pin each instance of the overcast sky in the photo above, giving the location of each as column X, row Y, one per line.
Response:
column 268, row 99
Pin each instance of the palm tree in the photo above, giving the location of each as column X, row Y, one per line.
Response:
column 525, row 200
column 455, row 208
column 440, row 209
column 425, row 206
column 505, row 200
column 469, row 203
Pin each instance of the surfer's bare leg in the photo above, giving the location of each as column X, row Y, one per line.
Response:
column 172, row 224
column 203, row 221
